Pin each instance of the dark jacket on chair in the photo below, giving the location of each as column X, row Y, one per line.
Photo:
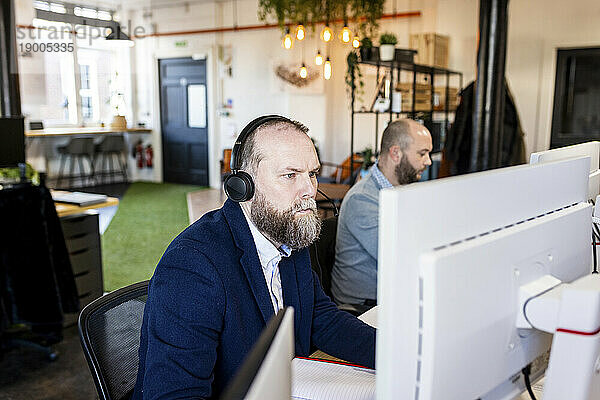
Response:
column 36, row 279
column 457, row 150
column 208, row 303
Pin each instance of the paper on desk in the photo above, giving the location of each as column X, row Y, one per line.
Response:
column 370, row 317
column 318, row 380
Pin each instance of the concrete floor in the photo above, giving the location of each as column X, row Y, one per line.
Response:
column 28, row 374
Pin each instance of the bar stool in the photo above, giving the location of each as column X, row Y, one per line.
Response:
column 109, row 149
column 77, row 149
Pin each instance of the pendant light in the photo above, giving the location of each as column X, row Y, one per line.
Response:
column 327, row 69
column 287, row 42
column 319, row 58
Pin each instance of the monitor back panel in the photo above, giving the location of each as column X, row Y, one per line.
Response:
column 415, row 219
column 470, row 293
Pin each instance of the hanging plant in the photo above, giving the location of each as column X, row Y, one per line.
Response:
column 354, row 77
column 371, row 11
column 308, row 12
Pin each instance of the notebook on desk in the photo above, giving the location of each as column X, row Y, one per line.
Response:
column 79, row 198
column 315, row 379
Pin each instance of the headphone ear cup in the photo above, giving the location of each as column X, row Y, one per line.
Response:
column 239, row 186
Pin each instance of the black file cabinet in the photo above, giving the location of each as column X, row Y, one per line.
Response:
column 82, row 236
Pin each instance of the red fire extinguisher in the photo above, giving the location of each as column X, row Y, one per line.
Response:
column 149, row 156
column 139, row 154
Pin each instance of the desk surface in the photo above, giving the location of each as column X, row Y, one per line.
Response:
column 336, row 191
column 52, row 132
column 64, row 209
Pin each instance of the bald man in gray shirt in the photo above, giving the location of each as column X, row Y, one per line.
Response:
column 405, row 148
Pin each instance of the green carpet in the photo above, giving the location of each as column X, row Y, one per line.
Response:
column 149, row 216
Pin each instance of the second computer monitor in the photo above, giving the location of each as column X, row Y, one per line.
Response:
column 449, row 276
column 589, row 149
column 266, row 371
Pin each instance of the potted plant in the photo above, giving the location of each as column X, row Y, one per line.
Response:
column 387, row 46
column 366, row 49
column 12, row 174
column 117, row 102
column 368, row 158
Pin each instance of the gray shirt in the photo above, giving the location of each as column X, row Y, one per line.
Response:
column 354, row 274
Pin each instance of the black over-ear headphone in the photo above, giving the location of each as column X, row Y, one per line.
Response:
column 239, row 185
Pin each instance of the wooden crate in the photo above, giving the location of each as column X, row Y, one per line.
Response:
column 440, row 93
column 408, row 87
column 423, row 96
column 432, row 49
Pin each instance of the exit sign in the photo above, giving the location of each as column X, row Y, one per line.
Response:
column 181, row 43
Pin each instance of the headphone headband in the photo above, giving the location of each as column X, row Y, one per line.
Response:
column 236, row 153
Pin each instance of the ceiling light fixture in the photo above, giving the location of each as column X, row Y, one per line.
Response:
column 319, row 58
column 300, row 32
column 326, row 33
column 327, row 69
column 287, row 39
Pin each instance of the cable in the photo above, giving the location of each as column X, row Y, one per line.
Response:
column 595, row 239
column 595, row 271
column 335, row 209
column 335, row 213
column 526, row 372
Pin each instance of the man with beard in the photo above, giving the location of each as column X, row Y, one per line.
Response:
column 225, row 276
column 405, row 148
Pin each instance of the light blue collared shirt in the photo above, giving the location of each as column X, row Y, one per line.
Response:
column 381, row 180
column 269, row 257
column 354, row 275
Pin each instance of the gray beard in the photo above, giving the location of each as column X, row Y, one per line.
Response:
column 281, row 226
column 405, row 173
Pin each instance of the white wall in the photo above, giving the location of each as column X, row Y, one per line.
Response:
column 558, row 25
column 327, row 113
column 249, row 87
column 536, row 28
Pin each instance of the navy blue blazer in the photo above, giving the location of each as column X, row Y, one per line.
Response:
column 208, row 303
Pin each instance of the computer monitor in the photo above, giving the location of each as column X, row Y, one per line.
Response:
column 12, row 140
column 453, row 255
column 590, row 149
column 267, row 370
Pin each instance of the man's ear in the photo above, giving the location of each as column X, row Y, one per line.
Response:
column 395, row 154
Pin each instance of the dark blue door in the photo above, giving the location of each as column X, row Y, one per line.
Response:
column 184, row 120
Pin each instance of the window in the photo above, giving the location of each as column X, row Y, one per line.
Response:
column 576, row 97
column 76, row 86
column 87, row 110
column 84, row 70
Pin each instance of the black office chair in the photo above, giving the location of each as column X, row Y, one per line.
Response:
column 322, row 258
column 322, row 253
column 109, row 329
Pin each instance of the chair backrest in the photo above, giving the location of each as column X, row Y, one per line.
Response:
column 342, row 173
column 84, row 145
column 322, row 253
column 109, row 329
column 225, row 167
column 112, row 143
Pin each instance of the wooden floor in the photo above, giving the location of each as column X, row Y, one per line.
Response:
column 202, row 201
